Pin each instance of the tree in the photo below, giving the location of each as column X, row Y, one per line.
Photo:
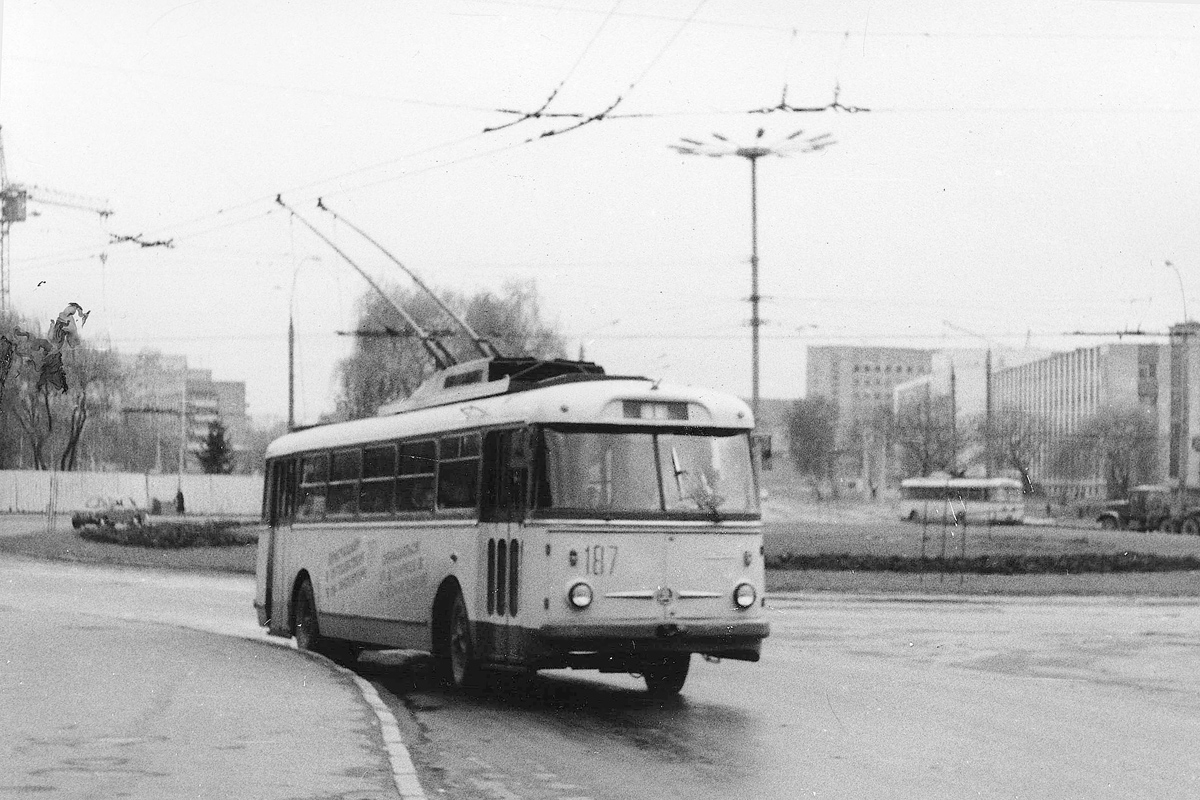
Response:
column 924, row 433
column 1012, row 439
column 216, row 452
column 811, row 430
column 389, row 367
column 50, row 389
column 258, row 437
column 1118, row 442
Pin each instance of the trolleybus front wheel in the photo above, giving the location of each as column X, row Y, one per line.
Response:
column 460, row 664
column 667, row 675
column 308, row 635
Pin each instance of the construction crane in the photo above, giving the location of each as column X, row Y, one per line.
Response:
column 14, row 200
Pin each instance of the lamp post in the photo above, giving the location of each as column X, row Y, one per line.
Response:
column 723, row 146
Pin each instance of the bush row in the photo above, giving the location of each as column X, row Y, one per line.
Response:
column 1011, row 564
column 173, row 535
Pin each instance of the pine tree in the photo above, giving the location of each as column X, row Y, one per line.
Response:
column 216, row 455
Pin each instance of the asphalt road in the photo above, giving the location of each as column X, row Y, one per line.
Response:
column 854, row 698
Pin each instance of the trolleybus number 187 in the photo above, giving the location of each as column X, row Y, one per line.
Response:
column 598, row 559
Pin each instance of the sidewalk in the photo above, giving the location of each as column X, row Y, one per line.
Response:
column 101, row 707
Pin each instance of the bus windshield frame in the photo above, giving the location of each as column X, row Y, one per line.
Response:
column 626, row 472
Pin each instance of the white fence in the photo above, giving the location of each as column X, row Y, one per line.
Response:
column 32, row 491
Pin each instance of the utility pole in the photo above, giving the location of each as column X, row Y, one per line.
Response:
column 291, row 425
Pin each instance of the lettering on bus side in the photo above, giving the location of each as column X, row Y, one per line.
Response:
column 345, row 567
column 403, row 570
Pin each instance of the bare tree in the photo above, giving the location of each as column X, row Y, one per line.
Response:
column 811, row 430
column 1119, row 443
column 389, row 361
column 924, row 433
column 1012, row 439
column 52, row 388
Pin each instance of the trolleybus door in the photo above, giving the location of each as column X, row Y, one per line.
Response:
column 503, row 504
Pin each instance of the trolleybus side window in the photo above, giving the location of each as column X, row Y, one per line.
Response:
column 344, row 467
column 313, row 471
column 418, row 464
column 458, row 471
column 378, row 480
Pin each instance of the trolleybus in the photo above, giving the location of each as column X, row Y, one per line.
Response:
column 988, row 501
column 521, row 513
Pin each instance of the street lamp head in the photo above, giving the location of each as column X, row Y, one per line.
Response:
column 753, row 152
column 723, row 146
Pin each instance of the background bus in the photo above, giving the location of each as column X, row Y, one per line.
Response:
column 983, row 501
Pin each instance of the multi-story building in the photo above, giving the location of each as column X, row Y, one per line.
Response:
column 859, row 381
column 1064, row 390
column 160, row 387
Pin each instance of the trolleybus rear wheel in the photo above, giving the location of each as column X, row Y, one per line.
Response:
column 461, row 665
column 308, row 634
column 667, row 675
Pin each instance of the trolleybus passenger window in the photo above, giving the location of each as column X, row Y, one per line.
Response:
column 378, row 480
column 414, row 488
column 458, row 471
column 343, row 482
column 313, row 471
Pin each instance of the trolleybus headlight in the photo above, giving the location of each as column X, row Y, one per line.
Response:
column 580, row 595
column 744, row 595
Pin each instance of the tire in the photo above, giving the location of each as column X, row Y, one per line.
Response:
column 665, row 677
column 461, row 668
column 1108, row 524
column 1190, row 527
column 308, row 633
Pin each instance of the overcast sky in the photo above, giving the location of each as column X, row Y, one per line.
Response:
column 1025, row 171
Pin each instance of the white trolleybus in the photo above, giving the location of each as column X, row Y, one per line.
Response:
column 522, row 513
column 981, row 501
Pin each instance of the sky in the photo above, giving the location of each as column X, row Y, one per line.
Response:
column 1023, row 171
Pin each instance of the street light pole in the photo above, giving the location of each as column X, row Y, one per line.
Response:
column 723, row 147
column 755, row 320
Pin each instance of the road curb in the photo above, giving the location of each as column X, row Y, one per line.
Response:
column 404, row 771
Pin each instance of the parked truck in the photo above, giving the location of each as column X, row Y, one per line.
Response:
column 1154, row 507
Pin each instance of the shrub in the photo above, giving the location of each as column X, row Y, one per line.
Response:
column 174, row 535
column 1011, row 564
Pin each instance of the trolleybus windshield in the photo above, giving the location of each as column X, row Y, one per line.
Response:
column 614, row 473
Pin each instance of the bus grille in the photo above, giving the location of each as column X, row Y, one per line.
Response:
column 503, row 576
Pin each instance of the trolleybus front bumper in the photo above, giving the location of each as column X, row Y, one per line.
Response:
column 741, row 640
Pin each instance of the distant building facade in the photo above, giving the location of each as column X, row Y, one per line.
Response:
column 1065, row 389
column 159, row 387
column 859, row 381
